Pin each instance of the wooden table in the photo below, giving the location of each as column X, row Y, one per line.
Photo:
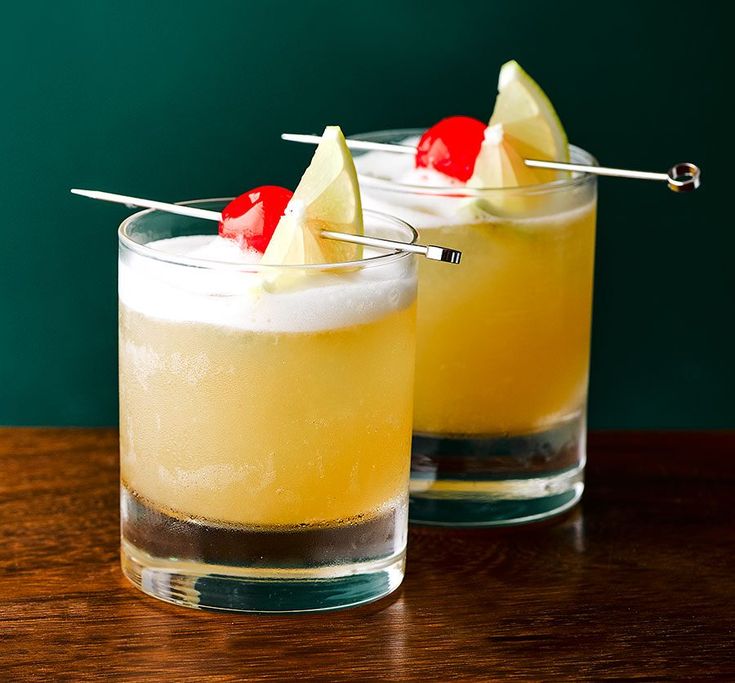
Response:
column 637, row 582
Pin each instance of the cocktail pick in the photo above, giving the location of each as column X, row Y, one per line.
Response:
column 683, row 177
column 430, row 251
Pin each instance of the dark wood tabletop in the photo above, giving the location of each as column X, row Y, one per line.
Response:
column 637, row 582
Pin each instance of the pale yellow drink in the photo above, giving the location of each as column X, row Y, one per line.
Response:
column 265, row 420
column 503, row 344
column 266, row 429
column 503, row 340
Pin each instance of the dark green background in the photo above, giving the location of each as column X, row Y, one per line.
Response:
column 178, row 100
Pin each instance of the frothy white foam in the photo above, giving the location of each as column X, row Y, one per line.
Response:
column 261, row 301
column 210, row 248
column 425, row 211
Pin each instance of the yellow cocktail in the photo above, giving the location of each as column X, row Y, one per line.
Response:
column 512, row 327
column 265, row 419
column 266, row 429
column 503, row 340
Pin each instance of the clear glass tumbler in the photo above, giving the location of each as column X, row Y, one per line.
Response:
column 503, row 341
column 265, row 422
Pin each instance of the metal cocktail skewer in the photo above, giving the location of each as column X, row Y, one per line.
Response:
column 431, row 251
column 683, row 177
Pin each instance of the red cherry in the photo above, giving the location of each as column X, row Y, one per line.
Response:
column 451, row 146
column 252, row 218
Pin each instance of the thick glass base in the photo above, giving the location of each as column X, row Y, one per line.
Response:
column 497, row 481
column 278, row 569
column 227, row 588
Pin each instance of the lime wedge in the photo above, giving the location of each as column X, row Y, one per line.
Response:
column 327, row 198
column 524, row 125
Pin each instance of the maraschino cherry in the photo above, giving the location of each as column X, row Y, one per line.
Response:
column 451, row 146
column 251, row 218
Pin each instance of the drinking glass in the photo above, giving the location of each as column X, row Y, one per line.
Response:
column 265, row 422
column 503, row 341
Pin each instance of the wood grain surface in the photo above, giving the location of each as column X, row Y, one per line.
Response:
column 638, row 582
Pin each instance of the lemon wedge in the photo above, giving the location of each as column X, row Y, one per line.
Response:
column 327, row 198
column 499, row 164
column 528, row 117
column 524, row 125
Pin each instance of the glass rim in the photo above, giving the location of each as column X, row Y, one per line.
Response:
column 578, row 178
column 144, row 250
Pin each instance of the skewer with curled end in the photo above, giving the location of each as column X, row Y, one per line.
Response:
column 683, row 177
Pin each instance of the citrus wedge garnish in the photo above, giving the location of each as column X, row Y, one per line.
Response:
column 327, row 198
column 524, row 125
column 529, row 119
column 499, row 164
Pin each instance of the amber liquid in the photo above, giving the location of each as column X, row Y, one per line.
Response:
column 503, row 340
column 262, row 429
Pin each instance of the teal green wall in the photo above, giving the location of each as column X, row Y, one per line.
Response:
column 175, row 100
